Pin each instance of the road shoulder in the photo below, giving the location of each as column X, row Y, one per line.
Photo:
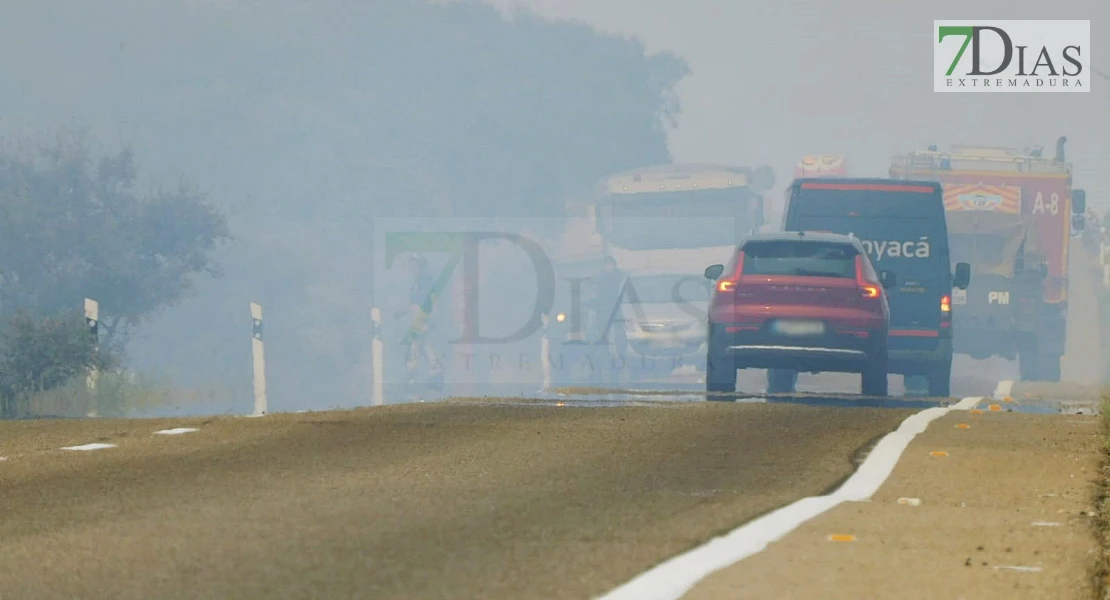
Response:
column 1001, row 508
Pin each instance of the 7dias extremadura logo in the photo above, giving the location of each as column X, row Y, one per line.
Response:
column 1011, row 56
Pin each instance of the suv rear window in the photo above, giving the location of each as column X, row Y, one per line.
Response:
column 807, row 259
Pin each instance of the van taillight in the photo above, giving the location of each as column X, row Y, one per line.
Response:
column 867, row 288
column 946, row 304
column 728, row 284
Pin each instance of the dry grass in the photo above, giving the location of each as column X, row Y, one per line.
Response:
column 1102, row 501
column 115, row 395
column 1102, row 521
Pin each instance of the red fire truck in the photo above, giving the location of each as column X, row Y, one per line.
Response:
column 997, row 317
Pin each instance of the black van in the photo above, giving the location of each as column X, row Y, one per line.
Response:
column 902, row 226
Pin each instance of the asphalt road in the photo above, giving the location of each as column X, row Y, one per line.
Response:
column 410, row 501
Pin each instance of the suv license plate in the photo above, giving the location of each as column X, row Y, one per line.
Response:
column 797, row 328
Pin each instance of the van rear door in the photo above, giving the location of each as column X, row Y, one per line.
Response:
column 904, row 232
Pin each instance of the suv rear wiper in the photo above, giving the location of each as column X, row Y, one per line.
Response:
column 805, row 273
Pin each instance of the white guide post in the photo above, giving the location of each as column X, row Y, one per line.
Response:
column 377, row 347
column 92, row 319
column 545, row 356
column 259, row 354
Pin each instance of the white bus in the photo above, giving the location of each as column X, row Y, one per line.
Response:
column 663, row 225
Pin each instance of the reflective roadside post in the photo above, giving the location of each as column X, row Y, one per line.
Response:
column 377, row 347
column 259, row 355
column 545, row 355
column 92, row 320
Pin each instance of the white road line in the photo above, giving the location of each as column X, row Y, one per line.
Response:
column 176, row 431
column 1005, row 389
column 87, row 447
column 1019, row 568
column 671, row 579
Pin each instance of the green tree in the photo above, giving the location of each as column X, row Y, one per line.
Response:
column 74, row 224
column 42, row 354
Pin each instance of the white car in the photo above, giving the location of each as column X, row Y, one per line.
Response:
column 665, row 322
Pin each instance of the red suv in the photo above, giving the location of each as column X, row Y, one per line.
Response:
column 804, row 301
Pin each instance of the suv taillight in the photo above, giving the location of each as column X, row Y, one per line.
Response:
column 728, row 284
column 869, row 289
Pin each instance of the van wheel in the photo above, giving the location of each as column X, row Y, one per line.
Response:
column 1050, row 367
column 782, row 381
column 940, row 380
column 720, row 374
column 873, row 379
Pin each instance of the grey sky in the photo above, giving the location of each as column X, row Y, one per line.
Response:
column 773, row 80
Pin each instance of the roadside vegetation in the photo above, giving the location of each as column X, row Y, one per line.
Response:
column 75, row 223
column 302, row 139
column 1093, row 240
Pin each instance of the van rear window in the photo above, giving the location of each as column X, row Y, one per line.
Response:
column 806, row 259
column 880, row 203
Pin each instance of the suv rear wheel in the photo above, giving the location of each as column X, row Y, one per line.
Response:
column 720, row 374
column 873, row 378
column 782, row 381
